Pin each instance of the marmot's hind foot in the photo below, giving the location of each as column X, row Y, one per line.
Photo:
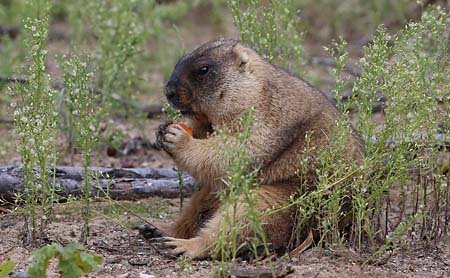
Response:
column 172, row 247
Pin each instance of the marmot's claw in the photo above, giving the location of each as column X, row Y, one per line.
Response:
column 159, row 239
column 164, row 249
column 150, row 231
column 165, row 254
column 172, row 246
column 171, row 133
column 168, row 146
column 177, row 127
column 174, row 138
column 160, row 132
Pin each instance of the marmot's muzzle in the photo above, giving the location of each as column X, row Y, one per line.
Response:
column 177, row 96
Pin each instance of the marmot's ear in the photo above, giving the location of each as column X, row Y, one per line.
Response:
column 243, row 57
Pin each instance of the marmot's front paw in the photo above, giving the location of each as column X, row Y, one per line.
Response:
column 159, row 143
column 174, row 139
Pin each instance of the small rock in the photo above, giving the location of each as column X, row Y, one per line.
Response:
column 144, row 275
column 20, row 274
column 113, row 259
column 110, row 151
column 138, row 261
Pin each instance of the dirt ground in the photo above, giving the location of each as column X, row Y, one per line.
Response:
column 126, row 254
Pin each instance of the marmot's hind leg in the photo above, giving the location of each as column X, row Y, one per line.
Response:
column 277, row 227
column 201, row 207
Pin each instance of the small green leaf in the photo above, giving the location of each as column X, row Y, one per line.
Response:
column 73, row 261
column 6, row 267
column 69, row 268
column 40, row 260
column 91, row 260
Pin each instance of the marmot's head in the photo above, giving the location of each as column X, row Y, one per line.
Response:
column 218, row 80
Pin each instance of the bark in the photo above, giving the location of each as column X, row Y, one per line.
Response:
column 11, row 31
column 118, row 183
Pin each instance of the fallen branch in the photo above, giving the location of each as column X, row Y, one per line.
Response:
column 11, row 31
column 13, row 79
column 117, row 183
column 6, row 120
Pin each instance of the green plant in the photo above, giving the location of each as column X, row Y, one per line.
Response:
column 118, row 38
column 73, row 260
column 353, row 19
column 272, row 29
column 404, row 153
column 11, row 11
column 237, row 197
column 411, row 69
column 6, row 268
column 413, row 74
column 35, row 118
column 328, row 205
column 85, row 116
column 174, row 116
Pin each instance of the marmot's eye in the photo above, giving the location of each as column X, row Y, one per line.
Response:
column 203, row 70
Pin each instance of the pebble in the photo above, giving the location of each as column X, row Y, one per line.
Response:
column 144, row 275
column 20, row 274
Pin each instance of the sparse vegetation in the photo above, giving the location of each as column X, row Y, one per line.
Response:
column 273, row 30
column 239, row 204
column 84, row 114
column 115, row 55
column 35, row 117
column 402, row 154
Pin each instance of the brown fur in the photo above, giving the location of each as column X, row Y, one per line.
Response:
column 285, row 109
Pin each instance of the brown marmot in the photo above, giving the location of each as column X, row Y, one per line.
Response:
column 212, row 87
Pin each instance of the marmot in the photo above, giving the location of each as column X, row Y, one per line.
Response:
column 213, row 86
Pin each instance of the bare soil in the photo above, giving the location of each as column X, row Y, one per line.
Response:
column 126, row 254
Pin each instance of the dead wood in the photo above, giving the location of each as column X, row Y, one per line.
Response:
column 6, row 120
column 11, row 31
column 117, row 183
column 13, row 79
